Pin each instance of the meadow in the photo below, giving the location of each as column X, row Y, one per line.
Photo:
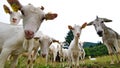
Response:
column 100, row 62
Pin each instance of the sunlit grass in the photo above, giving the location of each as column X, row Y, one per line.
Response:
column 100, row 62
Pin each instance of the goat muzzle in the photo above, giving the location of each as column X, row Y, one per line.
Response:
column 43, row 55
column 100, row 33
column 29, row 34
column 14, row 20
column 78, row 34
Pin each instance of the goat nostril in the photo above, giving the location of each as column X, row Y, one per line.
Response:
column 14, row 19
column 100, row 33
column 29, row 32
column 78, row 34
column 43, row 55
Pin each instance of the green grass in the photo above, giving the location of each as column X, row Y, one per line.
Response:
column 100, row 62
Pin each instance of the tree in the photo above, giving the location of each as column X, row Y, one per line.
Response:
column 69, row 37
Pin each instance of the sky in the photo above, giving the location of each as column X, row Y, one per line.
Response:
column 71, row 12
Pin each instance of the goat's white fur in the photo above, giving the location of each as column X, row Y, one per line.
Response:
column 74, row 49
column 15, row 17
column 12, row 38
column 45, row 42
column 63, row 52
column 82, row 52
column 53, row 49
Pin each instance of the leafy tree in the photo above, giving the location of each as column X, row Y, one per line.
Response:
column 69, row 37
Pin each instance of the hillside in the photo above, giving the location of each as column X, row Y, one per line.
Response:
column 95, row 49
column 90, row 44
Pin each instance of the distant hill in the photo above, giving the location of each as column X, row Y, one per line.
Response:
column 90, row 44
column 95, row 49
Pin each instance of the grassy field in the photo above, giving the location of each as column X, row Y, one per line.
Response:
column 100, row 62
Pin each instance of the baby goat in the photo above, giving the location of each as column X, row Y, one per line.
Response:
column 74, row 48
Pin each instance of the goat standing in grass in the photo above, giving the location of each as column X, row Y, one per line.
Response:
column 110, row 38
column 12, row 37
column 15, row 18
column 74, row 48
column 82, row 52
column 45, row 42
column 63, row 53
column 54, row 51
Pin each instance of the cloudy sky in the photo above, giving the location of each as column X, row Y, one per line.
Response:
column 72, row 12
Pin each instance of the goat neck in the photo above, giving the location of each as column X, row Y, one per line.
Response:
column 105, row 28
column 76, row 40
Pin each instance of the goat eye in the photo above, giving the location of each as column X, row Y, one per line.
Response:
column 50, row 43
column 73, row 29
column 11, row 12
column 102, row 21
column 94, row 25
column 42, row 18
column 22, row 12
column 39, row 41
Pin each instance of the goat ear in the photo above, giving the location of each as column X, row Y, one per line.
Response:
column 36, row 38
column 89, row 23
column 97, row 17
column 70, row 27
column 15, row 4
column 56, row 41
column 107, row 20
column 42, row 8
column 50, row 16
column 84, row 25
column 6, row 9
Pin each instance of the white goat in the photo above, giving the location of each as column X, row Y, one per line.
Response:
column 74, row 48
column 15, row 17
column 45, row 42
column 63, row 52
column 53, row 50
column 11, row 37
column 110, row 38
column 82, row 51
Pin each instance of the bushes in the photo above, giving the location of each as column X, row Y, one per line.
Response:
column 97, row 50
